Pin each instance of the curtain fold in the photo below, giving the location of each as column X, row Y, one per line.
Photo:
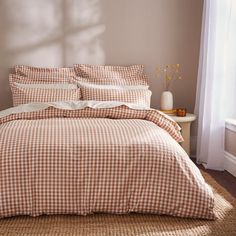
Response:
column 216, row 87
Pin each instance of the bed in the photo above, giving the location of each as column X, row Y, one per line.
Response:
column 84, row 157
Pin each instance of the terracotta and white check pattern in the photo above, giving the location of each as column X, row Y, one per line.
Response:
column 129, row 81
column 111, row 75
column 22, row 95
column 44, row 73
column 106, row 71
column 137, row 96
column 13, row 78
column 115, row 160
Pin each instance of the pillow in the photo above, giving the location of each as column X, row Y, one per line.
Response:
column 131, row 81
column 47, row 86
column 137, row 96
column 23, row 95
column 13, row 78
column 102, row 71
column 117, row 75
column 44, row 73
column 121, row 87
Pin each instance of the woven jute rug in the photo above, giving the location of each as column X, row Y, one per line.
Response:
column 127, row 225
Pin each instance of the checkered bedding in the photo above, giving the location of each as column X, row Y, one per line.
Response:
column 23, row 95
column 115, row 160
column 137, row 96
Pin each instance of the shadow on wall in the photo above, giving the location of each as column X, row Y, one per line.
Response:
column 48, row 33
column 55, row 33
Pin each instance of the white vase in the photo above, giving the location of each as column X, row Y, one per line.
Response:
column 166, row 100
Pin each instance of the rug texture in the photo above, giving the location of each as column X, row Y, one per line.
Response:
column 127, row 225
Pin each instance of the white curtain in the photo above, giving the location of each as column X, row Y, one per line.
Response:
column 216, row 88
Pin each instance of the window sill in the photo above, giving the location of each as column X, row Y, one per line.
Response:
column 230, row 124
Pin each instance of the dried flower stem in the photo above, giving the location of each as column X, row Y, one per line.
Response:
column 169, row 73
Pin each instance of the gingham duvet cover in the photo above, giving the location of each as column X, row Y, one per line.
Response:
column 90, row 159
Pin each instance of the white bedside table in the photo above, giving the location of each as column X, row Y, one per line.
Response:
column 185, row 123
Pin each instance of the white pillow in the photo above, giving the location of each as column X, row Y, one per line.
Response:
column 120, row 87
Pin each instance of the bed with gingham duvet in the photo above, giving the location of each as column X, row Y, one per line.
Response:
column 91, row 157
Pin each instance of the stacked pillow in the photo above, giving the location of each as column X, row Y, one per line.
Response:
column 113, row 83
column 86, row 82
column 45, row 74
column 34, row 84
column 27, row 93
column 111, row 75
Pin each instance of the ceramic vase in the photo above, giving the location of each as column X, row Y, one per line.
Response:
column 166, row 100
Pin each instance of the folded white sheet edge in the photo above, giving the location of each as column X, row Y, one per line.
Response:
column 69, row 105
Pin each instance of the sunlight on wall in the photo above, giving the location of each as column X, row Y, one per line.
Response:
column 85, row 47
column 83, row 12
column 28, row 23
column 52, row 33
column 63, row 32
column 48, row 33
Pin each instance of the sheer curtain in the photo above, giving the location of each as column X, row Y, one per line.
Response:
column 216, row 88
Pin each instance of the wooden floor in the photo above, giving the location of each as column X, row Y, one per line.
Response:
column 224, row 178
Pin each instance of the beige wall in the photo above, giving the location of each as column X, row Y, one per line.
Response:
column 63, row 32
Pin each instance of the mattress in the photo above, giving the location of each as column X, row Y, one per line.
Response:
column 86, row 157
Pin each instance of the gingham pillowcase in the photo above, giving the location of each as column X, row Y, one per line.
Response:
column 104, row 71
column 111, row 86
column 23, row 95
column 131, row 81
column 137, row 96
column 113, row 75
column 45, row 74
column 13, row 78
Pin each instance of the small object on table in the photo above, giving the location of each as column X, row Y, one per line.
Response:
column 169, row 112
column 181, row 112
column 166, row 100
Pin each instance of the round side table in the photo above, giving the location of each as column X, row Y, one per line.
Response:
column 185, row 123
